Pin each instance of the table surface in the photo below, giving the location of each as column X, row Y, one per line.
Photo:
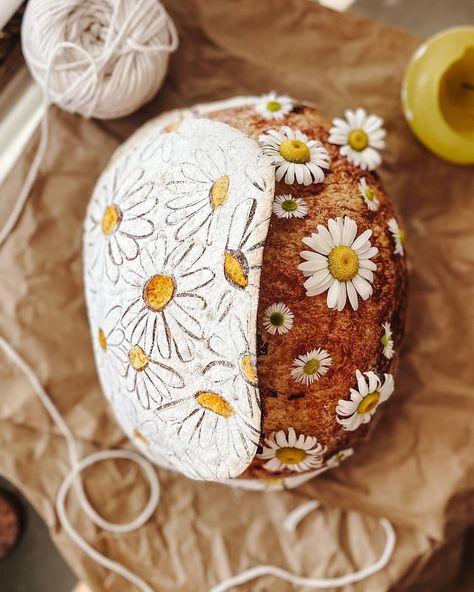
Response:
column 46, row 569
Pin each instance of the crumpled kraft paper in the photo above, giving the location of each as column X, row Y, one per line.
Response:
column 417, row 467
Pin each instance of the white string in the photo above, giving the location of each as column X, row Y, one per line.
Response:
column 73, row 478
column 108, row 79
column 291, row 522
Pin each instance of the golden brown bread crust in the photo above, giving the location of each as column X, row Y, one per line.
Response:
column 351, row 337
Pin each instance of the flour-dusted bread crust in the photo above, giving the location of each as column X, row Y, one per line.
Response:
column 353, row 338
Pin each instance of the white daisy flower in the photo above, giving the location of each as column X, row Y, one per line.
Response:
column 311, row 366
column 398, row 235
column 363, row 402
column 293, row 453
column 339, row 457
column 274, row 106
column 368, row 195
column 297, row 159
column 287, row 206
column 387, row 341
column 340, row 264
column 165, row 292
column 278, row 318
column 118, row 218
column 360, row 137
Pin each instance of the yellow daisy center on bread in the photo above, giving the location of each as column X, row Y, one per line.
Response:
column 219, row 191
column 277, row 319
column 234, row 269
column 111, row 219
column 311, row 366
column 289, row 205
column 158, row 292
column 138, row 359
column 290, row 455
column 139, row 436
column 343, row 263
column 369, row 193
column 401, row 235
column 369, row 402
column 273, row 106
column 215, row 403
column 102, row 339
column 358, row 140
column 295, row 151
column 249, row 370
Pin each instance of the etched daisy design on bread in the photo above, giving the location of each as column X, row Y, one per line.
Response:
column 398, row 235
column 368, row 195
column 287, row 206
column 273, row 106
column 387, row 341
column 363, row 402
column 297, row 159
column 311, row 366
column 290, row 452
column 340, row 263
column 278, row 319
column 360, row 136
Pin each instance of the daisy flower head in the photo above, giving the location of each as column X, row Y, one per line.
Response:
column 340, row 263
column 297, row 159
column 274, row 106
column 368, row 195
column 387, row 341
column 287, row 206
column 360, row 136
column 311, row 366
column 398, row 235
column 287, row 451
column 364, row 401
column 278, row 318
column 339, row 457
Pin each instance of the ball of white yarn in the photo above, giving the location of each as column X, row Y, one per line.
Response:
column 99, row 58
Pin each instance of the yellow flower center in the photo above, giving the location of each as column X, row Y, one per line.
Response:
column 219, row 191
column 102, row 339
column 234, row 268
column 249, row 369
column 343, row 263
column 138, row 359
column 277, row 319
column 275, row 481
column 401, row 235
column 289, row 205
column 158, row 292
column 369, row 193
column 111, row 219
column 385, row 339
column 369, row 402
column 171, row 127
column 139, row 436
column 311, row 367
column 358, row 140
column 290, row 455
column 273, row 106
column 295, row 151
column 215, row 403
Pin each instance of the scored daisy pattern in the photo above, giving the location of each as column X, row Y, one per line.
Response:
column 368, row 195
column 398, row 236
column 119, row 217
column 311, row 366
column 273, row 106
column 107, row 342
column 339, row 263
column 360, row 136
column 287, row 206
column 363, row 402
column 163, row 294
column 278, row 319
column 288, row 452
column 201, row 190
column 297, row 159
column 387, row 341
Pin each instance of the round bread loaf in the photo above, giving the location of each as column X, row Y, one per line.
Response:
column 284, row 344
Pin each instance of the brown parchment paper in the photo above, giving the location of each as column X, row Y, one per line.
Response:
column 417, row 467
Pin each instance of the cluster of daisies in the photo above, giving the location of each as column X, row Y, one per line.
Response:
column 339, row 262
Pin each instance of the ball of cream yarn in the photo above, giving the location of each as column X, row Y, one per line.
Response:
column 99, row 58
